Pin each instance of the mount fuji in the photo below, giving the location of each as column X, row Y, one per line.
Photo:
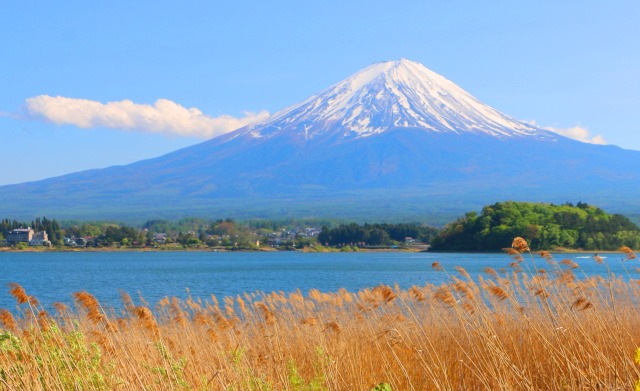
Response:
column 393, row 141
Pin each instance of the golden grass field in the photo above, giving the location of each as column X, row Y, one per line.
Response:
column 541, row 325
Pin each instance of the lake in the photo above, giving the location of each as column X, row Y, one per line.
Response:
column 52, row 277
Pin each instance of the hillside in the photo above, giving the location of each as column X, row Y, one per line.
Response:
column 544, row 226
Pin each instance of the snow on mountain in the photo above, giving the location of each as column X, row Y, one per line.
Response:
column 391, row 95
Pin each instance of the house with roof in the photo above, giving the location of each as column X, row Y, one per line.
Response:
column 19, row 235
column 39, row 239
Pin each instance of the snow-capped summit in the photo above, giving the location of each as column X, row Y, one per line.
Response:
column 390, row 95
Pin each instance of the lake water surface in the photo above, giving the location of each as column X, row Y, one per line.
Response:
column 52, row 277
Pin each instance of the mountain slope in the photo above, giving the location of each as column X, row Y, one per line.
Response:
column 394, row 139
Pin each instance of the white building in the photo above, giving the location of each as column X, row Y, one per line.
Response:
column 39, row 239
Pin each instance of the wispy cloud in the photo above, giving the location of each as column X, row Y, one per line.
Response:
column 6, row 114
column 164, row 116
column 579, row 133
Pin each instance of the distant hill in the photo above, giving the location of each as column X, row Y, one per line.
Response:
column 394, row 141
column 544, row 226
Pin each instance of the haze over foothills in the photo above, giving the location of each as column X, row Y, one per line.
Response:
column 89, row 85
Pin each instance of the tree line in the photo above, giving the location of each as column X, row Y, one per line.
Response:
column 375, row 234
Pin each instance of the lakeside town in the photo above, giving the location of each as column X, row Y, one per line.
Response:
column 220, row 235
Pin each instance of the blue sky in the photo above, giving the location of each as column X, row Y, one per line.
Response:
column 179, row 72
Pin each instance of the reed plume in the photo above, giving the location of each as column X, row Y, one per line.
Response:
column 127, row 301
column 520, row 244
column 18, row 293
column 385, row 292
column 629, row 254
column 147, row 320
column 61, row 308
column 91, row 305
column 570, row 263
column 7, row 320
column 333, row 326
column 582, row 304
column 222, row 321
column 546, row 255
column 417, row 294
column 43, row 321
column 269, row 317
column 498, row 292
column 444, row 295
column 511, row 251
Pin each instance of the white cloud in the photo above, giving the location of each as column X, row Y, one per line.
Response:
column 579, row 133
column 164, row 116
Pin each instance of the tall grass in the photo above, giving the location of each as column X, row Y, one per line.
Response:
column 526, row 328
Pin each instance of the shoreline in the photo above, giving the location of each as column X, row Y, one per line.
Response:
column 142, row 250
column 270, row 249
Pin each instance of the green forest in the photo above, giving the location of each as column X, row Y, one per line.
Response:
column 545, row 226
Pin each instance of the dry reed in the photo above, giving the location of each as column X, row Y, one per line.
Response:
column 507, row 330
